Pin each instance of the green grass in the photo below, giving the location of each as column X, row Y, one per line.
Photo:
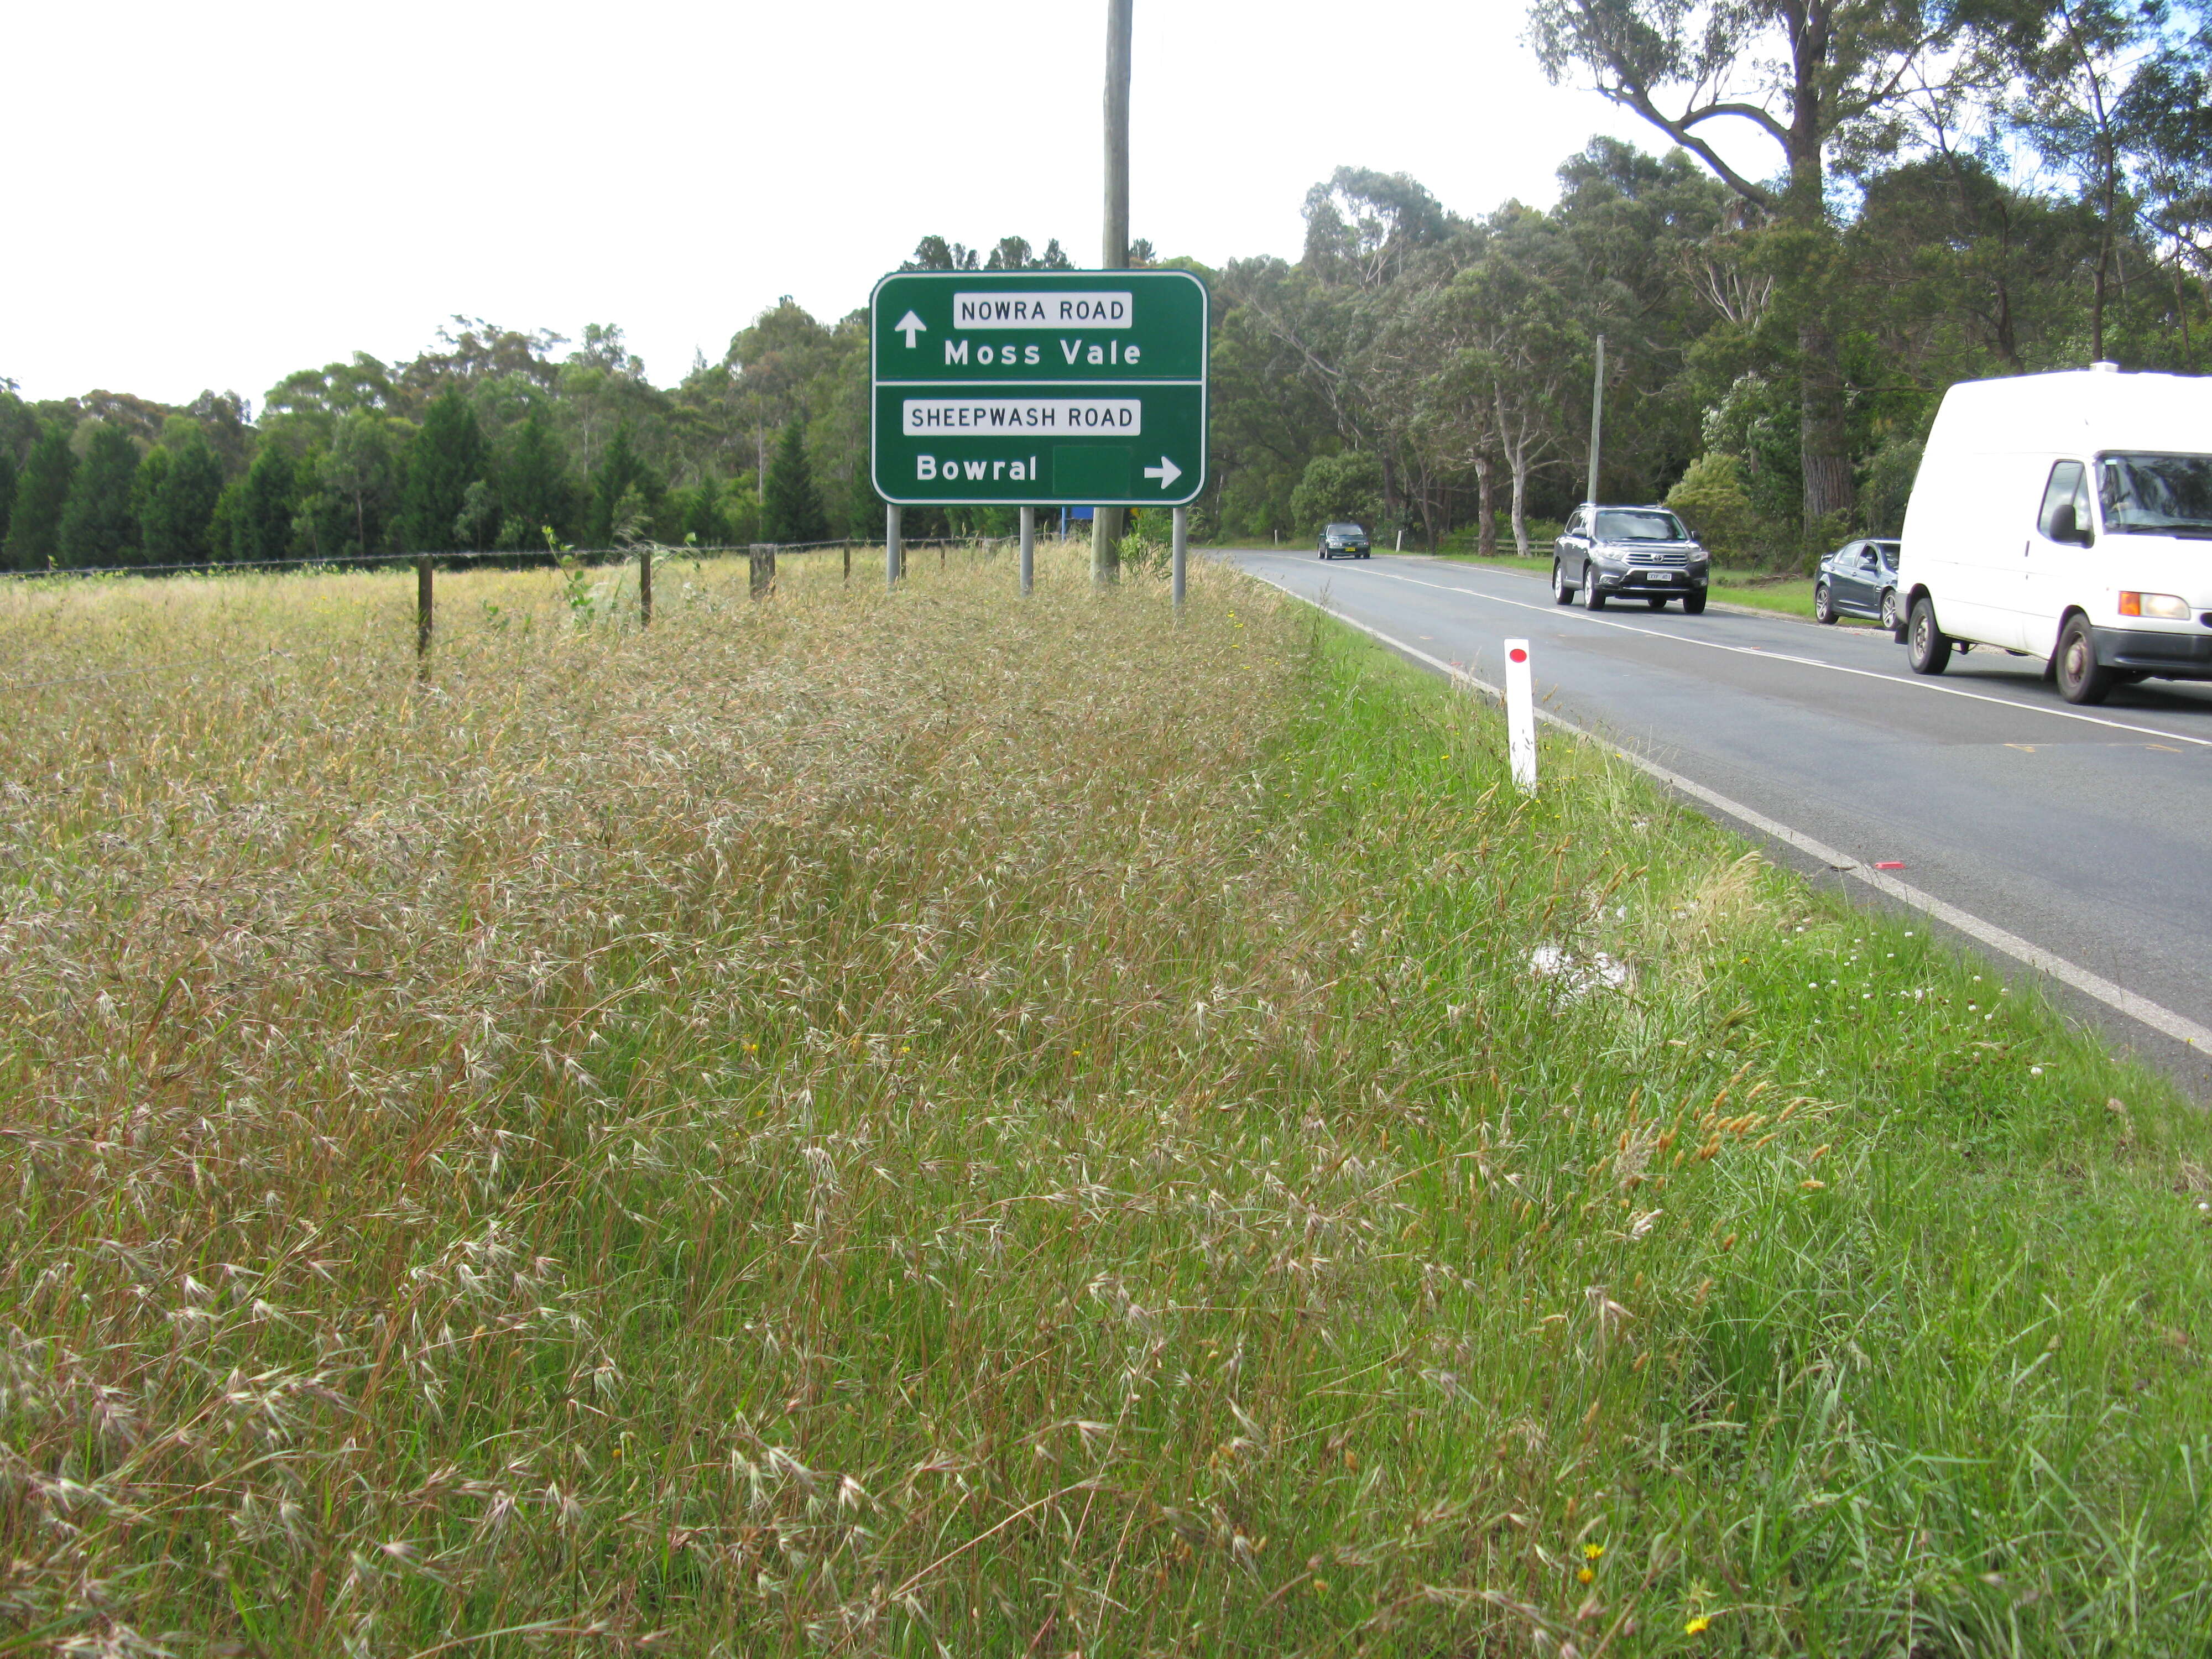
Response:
column 940, row 1125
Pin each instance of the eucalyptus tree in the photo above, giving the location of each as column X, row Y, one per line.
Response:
column 2075, row 62
column 2165, row 121
column 1824, row 82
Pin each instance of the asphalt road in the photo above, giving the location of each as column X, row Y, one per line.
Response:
column 2086, row 832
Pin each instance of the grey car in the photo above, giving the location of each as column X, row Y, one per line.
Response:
column 1859, row 579
column 1343, row 541
column 1629, row 553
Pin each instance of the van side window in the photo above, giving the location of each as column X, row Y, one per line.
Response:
column 2069, row 487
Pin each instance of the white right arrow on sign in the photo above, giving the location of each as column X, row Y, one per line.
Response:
column 1167, row 472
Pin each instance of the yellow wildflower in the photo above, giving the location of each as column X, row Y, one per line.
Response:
column 1697, row 1626
column 1591, row 1552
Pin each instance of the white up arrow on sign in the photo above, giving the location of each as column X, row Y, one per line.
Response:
column 1167, row 472
column 910, row 325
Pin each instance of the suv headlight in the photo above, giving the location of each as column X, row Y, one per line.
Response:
column 2167, row 605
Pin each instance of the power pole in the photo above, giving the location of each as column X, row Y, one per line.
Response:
column 1597, row 416
column 1107, row 523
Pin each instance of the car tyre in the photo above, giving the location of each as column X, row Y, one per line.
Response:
column 1563, row 591
column 1926, row 648
column 1824, row 605
column 1593, row 600
column 1657, row 602
column 1693, row 604
column 1890, row 617
column 2082, row 678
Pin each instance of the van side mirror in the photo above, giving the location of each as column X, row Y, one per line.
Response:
column 2063, row 528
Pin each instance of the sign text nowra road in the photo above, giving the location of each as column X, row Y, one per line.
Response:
column 1075, row 388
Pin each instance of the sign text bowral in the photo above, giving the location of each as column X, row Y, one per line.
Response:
column 1077, row 388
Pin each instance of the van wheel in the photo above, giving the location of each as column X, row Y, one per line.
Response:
column 1824, row 603
column 1563, row 591
column 1926, row 648
column 1890, row 618
column 2082, row 678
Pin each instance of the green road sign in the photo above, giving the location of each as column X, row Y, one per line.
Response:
column 1059, row 388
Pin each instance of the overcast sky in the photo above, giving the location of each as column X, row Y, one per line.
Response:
column 212, row 195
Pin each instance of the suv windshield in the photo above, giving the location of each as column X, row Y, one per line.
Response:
column 2152, row 495
column 1646, row 525
column 1346, row 530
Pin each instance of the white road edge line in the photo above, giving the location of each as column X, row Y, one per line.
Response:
column 1910, row 682
column 2117, row 998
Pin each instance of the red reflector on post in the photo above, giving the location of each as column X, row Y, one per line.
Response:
column 1518, row 654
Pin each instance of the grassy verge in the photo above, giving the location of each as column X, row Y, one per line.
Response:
column 938, row 1125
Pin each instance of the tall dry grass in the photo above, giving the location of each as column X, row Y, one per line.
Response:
column 940, row 1124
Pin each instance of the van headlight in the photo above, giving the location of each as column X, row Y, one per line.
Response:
column 2168, row 606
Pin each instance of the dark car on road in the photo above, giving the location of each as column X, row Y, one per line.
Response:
column 1343, row 541
column 1859, row 579
column 1629, row 553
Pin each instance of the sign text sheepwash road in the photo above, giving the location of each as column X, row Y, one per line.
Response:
column 1075, row 388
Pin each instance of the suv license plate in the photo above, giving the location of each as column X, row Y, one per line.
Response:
column 1662, row 575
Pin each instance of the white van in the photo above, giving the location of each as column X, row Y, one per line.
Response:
column 2067, row 517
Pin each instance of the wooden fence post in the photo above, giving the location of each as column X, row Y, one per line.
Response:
column 423, row 605
column 645, row 587
column 763, row 571
column 849, row 560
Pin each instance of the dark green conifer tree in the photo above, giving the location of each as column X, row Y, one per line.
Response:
column 269, row 499
column 178, row 501
column 791, row 507
column 536, row 492
column 99, row 522
column 8, row 473
column 446, row 457
column 35, row 527
column 704, row 520
column 626, row 493
column 864, row 508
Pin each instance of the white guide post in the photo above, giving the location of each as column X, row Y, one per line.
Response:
column 1520, row 717
column 894, row 550
column 1028, row 548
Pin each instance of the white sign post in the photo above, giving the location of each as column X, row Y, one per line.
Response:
column 1520, row 717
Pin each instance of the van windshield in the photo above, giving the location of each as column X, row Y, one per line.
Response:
column 1640, row 526
column 2153, row 495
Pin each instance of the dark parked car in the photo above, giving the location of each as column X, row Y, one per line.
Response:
column 1859, row 579
column 1343, row 541
column 1629, row 553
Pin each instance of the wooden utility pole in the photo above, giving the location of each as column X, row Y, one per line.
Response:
column 1597, row 416
column 1108, row 524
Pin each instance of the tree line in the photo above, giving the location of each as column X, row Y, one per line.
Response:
column 1958, row 188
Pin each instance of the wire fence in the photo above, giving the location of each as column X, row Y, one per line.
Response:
column 511, row 558
column 762, row 557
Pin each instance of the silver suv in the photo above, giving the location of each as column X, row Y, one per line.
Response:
column 1629, row 553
